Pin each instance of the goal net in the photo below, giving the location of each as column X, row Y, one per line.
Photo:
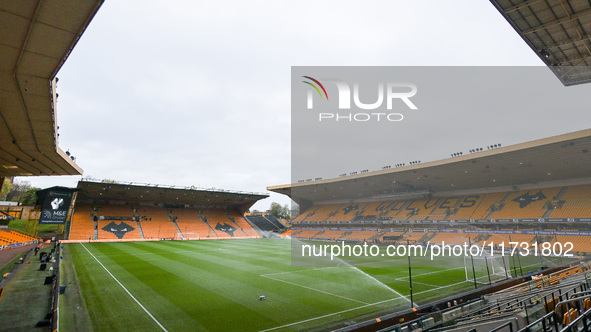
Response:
column 487, row 268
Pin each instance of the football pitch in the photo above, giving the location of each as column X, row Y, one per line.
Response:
column 215, row 286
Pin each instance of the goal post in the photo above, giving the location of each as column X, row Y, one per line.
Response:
column 191, row 236
column 486, row 269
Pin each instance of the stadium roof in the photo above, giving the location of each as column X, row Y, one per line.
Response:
column 91, row 191
column 555, row 158
column 559, row 31
column 36, row 38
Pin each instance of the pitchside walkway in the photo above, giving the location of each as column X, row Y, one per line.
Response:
column 26, row 300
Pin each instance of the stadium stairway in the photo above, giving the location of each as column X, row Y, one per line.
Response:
column 139, row 227
column 233, row 221
column 561, row 193
column 275, row 222
column 177, row 227
column 557, row 198
column 204, row 219
column 255, row 227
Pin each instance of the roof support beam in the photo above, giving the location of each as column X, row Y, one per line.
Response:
column 557, row 22
column 565, row 42
column 520, row 6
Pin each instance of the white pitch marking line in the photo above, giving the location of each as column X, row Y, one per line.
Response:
column 361, row 307
column 317, row 290
column 305, row 270
column 120, row 284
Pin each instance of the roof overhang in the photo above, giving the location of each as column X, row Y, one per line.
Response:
column 558, row 31
column 557, row 158
column 109, row 192
column 36, row 38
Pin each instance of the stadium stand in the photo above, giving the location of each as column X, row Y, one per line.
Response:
column 191, row 225
column 525, row 204
column 360, row 236
column 9, row 237
column 344, row 212
column 575, row 203
column 156, row 224
column 266, row 222
column 82, row 225
column 483, row 209
column 450, row 238
column 306, row 234
column 111, row 229
column 243, row 224
column 466, row 207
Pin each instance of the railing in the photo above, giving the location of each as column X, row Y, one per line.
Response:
column 525, row 303
column 546, row 321
column 55, row 301
column 500, row 327
column 574, row 326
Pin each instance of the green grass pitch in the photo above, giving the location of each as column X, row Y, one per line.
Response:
column 215, row 286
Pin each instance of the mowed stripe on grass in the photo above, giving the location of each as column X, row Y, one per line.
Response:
column 214, row 286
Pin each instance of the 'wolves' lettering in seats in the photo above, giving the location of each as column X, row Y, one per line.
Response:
column 525, row 199
column 469, row 201
column 225, row 228
column 118, row 230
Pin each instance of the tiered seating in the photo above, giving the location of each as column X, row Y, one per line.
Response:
column 442, row 207
column 395, row 209
column 424, row 206
column 450, row 238
column 14, row 237
column 369, row 209
column 467, row 207
column 306, row 234
column 381, row 238
column 333, row 235
column 155, row 223
column 113, row 214
column 482, row 210
column 263, row 223
column 577, row 203
column 191, row 225
column 82, row 226
column 526, row 204
column 243, row 224
column 360, row 236
column 346, row 212
column 324, row 212
column 580, row 243
column 116, row 211
column 130, row 234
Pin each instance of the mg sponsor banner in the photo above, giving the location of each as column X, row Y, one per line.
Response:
column 56, row 203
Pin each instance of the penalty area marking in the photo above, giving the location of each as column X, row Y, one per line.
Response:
column 317, row 290
column 360, row 307
column 120, row 284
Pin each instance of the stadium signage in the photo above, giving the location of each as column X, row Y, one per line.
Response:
column 344, row 100
column 55, row 204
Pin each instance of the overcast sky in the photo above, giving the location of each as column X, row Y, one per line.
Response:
column 198, row 93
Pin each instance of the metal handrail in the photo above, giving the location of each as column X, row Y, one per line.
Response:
column 483, row 311
column 543, row 321
column 562, row 303
column 576, row 322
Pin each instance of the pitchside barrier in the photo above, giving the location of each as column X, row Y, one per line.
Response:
column 20, row 244
column 161, row 239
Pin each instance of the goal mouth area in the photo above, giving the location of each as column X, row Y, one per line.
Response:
column 487, row 269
